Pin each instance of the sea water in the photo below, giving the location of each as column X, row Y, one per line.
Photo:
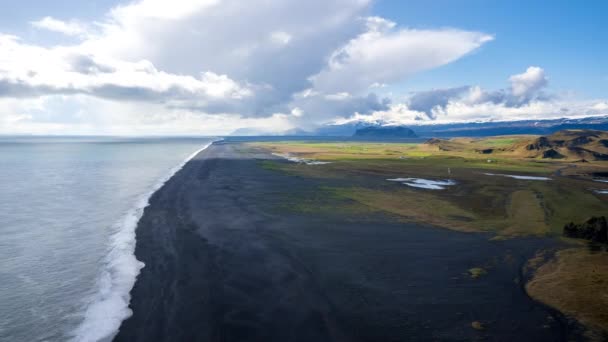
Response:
column 68, row 212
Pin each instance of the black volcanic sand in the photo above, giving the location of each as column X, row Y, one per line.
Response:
column 224, row 264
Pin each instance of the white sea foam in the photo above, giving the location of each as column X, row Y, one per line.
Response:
column 300, row 160
column 601, row 180
column 602, row 192
column 110, row 304
column 424, row 183
column 519, row 177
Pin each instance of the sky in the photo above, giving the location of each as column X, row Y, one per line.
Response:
column 213, row 67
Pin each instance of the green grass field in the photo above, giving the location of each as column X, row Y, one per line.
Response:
column 478, row 202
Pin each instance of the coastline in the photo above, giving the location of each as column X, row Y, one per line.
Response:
column 109, row 306
column 224, row 262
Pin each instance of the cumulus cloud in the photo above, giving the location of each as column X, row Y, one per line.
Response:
column 460, row 112
column 243, row 61
column 601, row 106
column 252, row 40
column 527, row 86
column 27, row 70
column 525, row 99
column 427, row 101
column 318, row 108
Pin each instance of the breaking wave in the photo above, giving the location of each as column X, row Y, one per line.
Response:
column 109, row 306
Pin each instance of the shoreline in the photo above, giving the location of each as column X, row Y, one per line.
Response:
column 223, row 263
column 120, row 272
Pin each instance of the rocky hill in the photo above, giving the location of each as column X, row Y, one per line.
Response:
column 568, row 144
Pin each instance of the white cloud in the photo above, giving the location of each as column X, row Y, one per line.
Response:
column 601, row 106
column 27, row 70
column 525, row 89
column 384, row 54
column 526, row 85
column 338, row 96
column 280, row 37
column 229, row 61
column 459, row 112
column 70, row 28
column 87, row 115
column 524, row 100
column 297, row 112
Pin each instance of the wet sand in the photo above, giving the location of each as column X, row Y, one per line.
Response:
column 224, row 262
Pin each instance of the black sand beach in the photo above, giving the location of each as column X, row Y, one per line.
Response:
column 224, row 262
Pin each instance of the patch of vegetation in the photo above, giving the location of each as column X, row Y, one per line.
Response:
column 527, row 214
column 270, row 165
column 420, row 208
column 406, row 154
column 575, row 283
column 340, row 150
column 567, row 201
column 323, row 201
column 595, row 229
column 477, row 272
column 477, row 325
column 501, row 141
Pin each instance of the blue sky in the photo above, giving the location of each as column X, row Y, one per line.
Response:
column 569, row 39
column 23, row 11
column 212, row 66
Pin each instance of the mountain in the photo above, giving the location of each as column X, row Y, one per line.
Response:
column 474, row 129
column 536, row 127
column 398, row 132
column 469, row 129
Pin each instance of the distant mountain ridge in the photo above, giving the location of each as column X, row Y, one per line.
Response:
column 469, row 129
column 474, row 129
column 536, row 127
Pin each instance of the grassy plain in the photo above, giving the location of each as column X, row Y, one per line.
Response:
column 478, row 202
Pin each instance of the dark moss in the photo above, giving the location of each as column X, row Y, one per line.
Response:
column 553, row 154
column 595, row 229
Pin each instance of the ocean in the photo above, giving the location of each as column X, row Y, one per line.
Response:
column 68, row 211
